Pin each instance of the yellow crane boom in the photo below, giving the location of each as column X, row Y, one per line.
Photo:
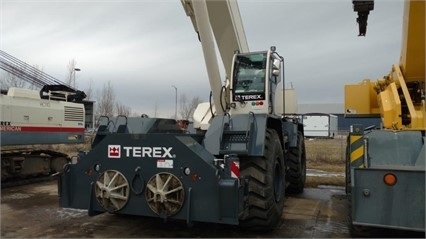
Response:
column 399, row 97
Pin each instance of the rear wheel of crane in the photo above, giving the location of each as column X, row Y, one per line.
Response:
column 296, row 175
column 266, row 185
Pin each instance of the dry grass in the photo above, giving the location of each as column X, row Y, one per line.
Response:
column 313, row 182
column 326, row 154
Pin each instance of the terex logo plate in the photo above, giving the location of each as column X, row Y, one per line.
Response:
column 114, row 151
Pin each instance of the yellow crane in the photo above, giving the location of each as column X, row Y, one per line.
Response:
column 399, row 97
column 385, row 169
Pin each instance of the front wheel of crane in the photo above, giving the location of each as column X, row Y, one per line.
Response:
column 296, row 175
column 266, row 186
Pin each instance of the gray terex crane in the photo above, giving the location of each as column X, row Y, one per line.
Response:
column 237, row 171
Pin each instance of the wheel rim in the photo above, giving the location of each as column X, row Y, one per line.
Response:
column 165, row 194
column 112, row 190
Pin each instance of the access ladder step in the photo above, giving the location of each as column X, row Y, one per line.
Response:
column 235, row 136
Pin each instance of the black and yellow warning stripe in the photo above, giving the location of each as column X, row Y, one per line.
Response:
column 357, row 150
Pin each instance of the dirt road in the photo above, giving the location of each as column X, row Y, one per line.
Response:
column 33, row 211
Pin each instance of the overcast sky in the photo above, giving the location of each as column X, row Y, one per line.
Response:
column 143, row 47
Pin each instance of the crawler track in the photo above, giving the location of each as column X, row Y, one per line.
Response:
column 26, row 166
column 14, row 182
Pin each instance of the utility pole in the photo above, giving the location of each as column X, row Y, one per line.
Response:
column 175, row 101
column 73, row 76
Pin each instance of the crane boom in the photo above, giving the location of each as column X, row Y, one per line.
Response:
column 227, row 31
column 38, row 78
column 398, row 97
column 412, row 60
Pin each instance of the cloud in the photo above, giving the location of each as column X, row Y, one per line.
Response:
column 144, row 47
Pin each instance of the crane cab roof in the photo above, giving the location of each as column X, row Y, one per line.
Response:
column 23, row 93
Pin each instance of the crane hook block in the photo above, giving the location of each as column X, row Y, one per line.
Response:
column 363, row 8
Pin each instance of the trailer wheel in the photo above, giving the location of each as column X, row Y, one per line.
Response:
column 266, row 186
column 296, row 175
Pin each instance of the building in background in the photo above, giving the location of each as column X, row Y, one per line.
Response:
column 320, row 125
column 338, row 110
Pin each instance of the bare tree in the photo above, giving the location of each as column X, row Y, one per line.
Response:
column 8, row 80
column 122, row 109
column 155, row 109
column 106, row 101
column 71, row 73
column 187, row 107
column 13, row 79
column 89, row 90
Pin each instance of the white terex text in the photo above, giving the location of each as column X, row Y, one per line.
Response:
column 150, row 152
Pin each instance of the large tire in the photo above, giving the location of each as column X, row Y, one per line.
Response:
column 348, row 169
column 296, row 176
column 266, row 186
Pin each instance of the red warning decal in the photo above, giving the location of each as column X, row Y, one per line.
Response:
column 235, row 169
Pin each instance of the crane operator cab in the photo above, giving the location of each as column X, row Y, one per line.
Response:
column 256, row 81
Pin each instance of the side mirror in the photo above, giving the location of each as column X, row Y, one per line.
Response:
column 276, row 67
column 276, row 72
